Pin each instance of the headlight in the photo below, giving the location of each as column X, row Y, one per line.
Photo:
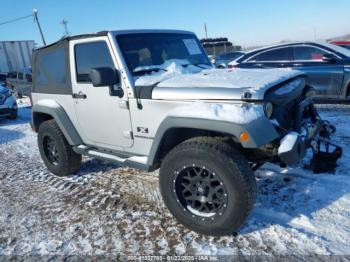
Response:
column 7, row 94
column 268, row 109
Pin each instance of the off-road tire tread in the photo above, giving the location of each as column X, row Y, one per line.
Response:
column 224, row 149
column 73, row 159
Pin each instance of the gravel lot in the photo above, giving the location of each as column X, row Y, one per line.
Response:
column 107, row 210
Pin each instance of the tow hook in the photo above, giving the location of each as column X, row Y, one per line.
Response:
column 325, row 153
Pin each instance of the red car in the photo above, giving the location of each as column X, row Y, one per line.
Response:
column 345, row 44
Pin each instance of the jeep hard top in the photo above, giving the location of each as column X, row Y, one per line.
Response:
column 151, row 99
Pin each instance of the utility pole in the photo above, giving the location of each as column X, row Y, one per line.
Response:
column 35, row 15
column 64, row 23
column 206, row 31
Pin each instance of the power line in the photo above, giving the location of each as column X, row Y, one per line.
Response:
column 36, row 20
column 15, row 20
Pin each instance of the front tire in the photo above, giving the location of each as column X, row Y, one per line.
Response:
column 55, row 151
column 208, row 186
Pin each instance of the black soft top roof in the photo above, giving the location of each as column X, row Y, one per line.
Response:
column 68, row 38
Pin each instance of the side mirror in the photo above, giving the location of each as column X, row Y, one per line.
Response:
column 329, row 58
column 107, row 76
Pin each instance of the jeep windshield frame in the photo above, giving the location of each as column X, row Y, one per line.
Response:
column 153, row 49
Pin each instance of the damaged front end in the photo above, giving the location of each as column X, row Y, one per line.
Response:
column 300, row 127
column 325, row 153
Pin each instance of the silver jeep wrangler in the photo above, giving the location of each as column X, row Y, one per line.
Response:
column 151, row 99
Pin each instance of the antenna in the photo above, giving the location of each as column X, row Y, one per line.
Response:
column 64, row 23
column 206, row 30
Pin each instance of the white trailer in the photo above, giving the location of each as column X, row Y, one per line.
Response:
column 15, row 55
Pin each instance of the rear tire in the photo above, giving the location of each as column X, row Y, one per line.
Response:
column 216, row 190
column 55, row 151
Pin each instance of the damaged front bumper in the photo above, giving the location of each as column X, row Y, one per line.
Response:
column 312, row 132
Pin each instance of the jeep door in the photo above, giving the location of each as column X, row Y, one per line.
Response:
column 104, row 120
column 326, row 77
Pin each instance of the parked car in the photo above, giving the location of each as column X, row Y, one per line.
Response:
column 222, row 60
column 163, row 105
column 345, row 44
column 326, row 65
column 20, row 82
column 8, row 104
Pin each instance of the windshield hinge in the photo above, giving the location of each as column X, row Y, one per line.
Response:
column 128, row 134
column 124, row 104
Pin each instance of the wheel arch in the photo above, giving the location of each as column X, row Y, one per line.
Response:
column 44, row 112
column 174, row 130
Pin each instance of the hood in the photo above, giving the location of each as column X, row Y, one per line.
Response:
column 177, row 82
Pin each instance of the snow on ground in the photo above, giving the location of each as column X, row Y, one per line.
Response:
column 118, row 211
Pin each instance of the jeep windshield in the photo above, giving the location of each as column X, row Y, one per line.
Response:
column 147, row 52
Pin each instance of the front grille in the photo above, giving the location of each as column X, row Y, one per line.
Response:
column 289, row 118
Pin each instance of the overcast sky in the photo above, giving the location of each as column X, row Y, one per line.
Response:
column 244, row 22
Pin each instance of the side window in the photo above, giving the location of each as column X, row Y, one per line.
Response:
column 89, row 56
column 308, row 53
column 20, row 76
column 279, row 54
column 51, row 67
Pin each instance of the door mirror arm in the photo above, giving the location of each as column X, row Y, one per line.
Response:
column 330, row 58
column 116, row 90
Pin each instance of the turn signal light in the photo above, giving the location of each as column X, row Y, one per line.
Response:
column 244, row 136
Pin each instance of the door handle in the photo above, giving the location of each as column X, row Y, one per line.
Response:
column 297, row 64
column 80, row 95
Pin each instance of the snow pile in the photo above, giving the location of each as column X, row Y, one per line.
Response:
column 180, row 73
column 169, row 69
column 236, row 113
column 232, row 78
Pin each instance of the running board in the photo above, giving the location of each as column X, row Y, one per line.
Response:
column 139, row 162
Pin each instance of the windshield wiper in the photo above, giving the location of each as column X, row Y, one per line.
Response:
column 197, row 65
column 147, row 70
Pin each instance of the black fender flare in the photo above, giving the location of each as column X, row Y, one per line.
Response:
column 62, row 119
column 258, row 136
